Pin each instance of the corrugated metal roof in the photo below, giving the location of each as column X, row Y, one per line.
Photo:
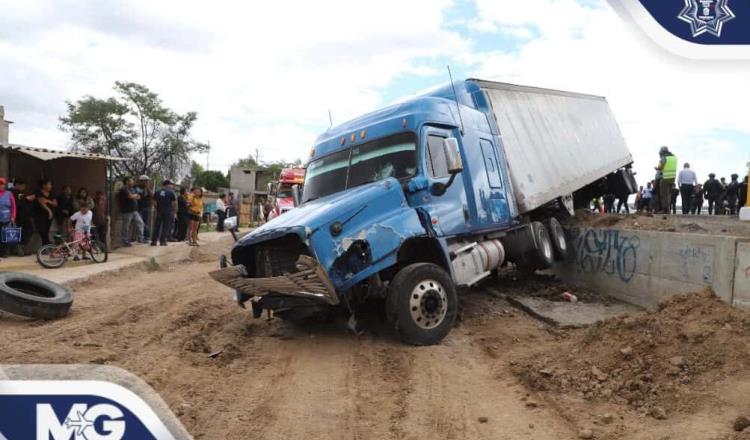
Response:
column 47, row 154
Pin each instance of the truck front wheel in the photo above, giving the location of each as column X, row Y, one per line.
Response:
column 423, row 304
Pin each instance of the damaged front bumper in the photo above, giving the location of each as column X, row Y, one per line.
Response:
column 310, row 281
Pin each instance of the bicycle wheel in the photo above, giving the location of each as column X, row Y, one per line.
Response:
column 51, row 256
column 98, row 251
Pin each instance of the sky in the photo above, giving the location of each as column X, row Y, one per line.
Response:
column 265, row 74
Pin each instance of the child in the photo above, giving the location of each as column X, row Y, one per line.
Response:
column 82, row 218
column 195, row 202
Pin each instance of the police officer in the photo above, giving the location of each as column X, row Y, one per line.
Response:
column 712, row 190
column 166, row 206
column 666, row 172
column 733, row 194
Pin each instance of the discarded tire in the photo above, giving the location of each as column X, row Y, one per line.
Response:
column 34, row 297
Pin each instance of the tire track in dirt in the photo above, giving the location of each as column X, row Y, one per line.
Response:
column 273, row 380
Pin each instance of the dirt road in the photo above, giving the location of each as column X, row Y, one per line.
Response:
column 274, row 380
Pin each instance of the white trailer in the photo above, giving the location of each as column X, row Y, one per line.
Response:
column 555, row 142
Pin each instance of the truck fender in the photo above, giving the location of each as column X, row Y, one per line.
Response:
column 375, row 247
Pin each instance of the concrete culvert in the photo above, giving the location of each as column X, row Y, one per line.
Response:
column 33, row 297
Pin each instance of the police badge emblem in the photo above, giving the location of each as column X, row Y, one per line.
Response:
column 706, row 16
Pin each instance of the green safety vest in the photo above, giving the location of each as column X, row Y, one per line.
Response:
column 670, row 168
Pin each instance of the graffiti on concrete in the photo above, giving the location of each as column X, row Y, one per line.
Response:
column 747, row 272
column 607, row 251
column 695, row 260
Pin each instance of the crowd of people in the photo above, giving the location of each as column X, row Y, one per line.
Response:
column 75, row 211
column 660, row 194
column 178, row 214
column 36, row 212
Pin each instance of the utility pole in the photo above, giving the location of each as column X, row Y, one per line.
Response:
column 257, row 157
column 207, row 153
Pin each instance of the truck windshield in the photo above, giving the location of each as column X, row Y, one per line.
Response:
column 284, row 193
column 394, row 156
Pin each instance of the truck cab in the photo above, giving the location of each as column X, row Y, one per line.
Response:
column 282, row 190
column 404, row 204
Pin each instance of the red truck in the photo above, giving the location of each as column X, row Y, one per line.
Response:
column 281, row 191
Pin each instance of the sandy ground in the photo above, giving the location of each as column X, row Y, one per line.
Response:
column 274, row 380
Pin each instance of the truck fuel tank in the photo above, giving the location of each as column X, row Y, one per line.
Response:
column 474, row 261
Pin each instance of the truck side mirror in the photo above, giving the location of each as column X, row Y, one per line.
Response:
column 295, row 195
column 453, row 155
column 455, row 165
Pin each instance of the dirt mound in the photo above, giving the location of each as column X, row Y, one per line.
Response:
column 705, row 224
column 201, row 255
column 657, row 363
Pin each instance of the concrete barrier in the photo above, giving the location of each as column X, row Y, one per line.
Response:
column 646, row 267
column 742, row 275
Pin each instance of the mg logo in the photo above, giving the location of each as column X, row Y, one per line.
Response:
column 99, row 422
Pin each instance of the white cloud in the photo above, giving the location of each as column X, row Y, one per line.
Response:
column 657, row 99
column 260, row 74
column 265, row 74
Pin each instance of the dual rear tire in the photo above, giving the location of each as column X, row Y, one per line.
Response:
column 550, row 244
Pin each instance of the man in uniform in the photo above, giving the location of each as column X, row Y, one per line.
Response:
column 666, row 172
column 712, row 190
column 166, row 206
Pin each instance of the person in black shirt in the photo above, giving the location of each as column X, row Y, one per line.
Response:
column 166, row 204
column 64, row 211
column 733, row 194
column 127, row 200
column 24, row 207
column 712, row 190
column 183, row 213
column 43, row 210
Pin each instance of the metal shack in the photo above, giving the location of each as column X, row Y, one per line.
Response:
column 79, row 170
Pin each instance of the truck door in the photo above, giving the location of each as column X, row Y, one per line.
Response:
column 495, row 201
column 449, row 212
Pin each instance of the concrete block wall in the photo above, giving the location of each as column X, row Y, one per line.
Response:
column 646, row 267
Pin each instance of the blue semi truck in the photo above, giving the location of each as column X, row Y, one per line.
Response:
column 405, row 204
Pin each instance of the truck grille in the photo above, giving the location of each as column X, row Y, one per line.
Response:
column 278, row 257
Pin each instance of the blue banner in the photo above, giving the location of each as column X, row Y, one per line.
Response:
column 707, row 22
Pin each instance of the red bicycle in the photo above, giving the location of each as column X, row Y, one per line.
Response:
column 53, row 256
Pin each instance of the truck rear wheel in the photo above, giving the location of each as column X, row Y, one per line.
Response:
column 422, row 304
column 557, row 235
column 542, row 255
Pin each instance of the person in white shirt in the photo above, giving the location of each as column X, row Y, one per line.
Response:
column 221, row 212
column 82, row 219
column 686, row 181
column 646, row 196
